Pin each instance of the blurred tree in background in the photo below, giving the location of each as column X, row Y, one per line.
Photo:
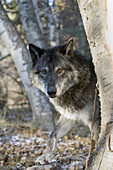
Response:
column 43, row 23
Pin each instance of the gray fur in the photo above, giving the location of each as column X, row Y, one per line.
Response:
column 67, row 77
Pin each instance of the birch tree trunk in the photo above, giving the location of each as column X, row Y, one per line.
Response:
column 52, row 22
column 29, row 22
column 21, row 57
column 33, row 31
column 36, row 8
column 94, row 19
column 56, row 20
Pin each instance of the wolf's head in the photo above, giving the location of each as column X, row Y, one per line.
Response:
column 52, row 71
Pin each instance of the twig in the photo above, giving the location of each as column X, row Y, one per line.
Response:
column 3, row 57
column 73, row 159
column 13, row 12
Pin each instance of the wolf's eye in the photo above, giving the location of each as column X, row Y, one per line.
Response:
column 43, row 72
column 60, row 70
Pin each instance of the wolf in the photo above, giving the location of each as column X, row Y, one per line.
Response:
column 68, row 79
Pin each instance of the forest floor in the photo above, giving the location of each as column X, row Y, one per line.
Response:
column 20, row 146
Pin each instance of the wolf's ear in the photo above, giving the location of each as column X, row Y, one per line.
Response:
column 35, row 52
column 67, row 49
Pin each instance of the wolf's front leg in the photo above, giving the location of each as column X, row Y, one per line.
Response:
column 63, row 126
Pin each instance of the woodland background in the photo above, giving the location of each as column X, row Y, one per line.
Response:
column 24, row 108
column 44, row 23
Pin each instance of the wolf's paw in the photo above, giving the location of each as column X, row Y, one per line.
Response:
column 45, row 158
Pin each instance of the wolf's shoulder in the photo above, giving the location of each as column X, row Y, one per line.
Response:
column 80, row 56
column 83, row 60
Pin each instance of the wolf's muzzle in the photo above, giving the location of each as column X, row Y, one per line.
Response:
column 52, row 92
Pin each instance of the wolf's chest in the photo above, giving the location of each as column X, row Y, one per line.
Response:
column 83, row 114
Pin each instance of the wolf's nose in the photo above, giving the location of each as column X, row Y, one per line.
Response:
column 52, row 92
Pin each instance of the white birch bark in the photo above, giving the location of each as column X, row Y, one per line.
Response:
column 52, row 22
column 3, row 50
column 93, row 15
column 56, row 18
column 23, row 63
